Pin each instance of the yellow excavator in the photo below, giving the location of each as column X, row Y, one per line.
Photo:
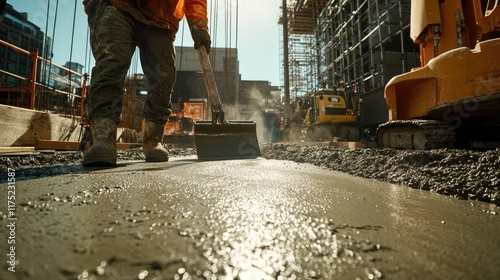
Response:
column 453, row 99
column 331, row 114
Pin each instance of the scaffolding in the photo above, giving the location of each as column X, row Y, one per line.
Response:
column 361, row 42
column 302, row 50
column 364, row 42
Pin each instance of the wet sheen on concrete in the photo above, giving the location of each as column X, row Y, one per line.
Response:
column 241, row 219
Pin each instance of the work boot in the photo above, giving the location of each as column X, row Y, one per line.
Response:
column 152, row 142
column 103, row 150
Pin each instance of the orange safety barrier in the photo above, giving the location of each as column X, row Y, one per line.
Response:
column 34, row 84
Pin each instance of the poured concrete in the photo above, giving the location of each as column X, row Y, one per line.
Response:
column 244, row 219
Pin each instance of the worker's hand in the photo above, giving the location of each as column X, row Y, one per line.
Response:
column 200, row 37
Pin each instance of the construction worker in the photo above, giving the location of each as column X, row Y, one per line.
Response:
column 117, row 27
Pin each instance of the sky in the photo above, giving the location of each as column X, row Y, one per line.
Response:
column 257, row 38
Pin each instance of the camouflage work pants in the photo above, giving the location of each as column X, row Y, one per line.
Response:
column 114, row 37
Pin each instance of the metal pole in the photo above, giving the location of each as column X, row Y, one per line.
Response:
column 401, row 35
column 82, row 97
column 33, row 79
column 285, row 61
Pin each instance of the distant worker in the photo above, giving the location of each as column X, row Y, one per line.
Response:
column 117, row 27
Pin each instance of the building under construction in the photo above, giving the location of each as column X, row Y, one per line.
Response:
column 361, row 42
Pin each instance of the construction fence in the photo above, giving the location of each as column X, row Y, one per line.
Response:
column 48, row 87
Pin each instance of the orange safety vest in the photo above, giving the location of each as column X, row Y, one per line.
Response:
column 166, row 13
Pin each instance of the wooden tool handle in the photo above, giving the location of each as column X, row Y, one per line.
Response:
column 208, row 76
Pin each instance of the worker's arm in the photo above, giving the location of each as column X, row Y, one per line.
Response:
column 196, row 14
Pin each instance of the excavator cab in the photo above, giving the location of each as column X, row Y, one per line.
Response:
column 331, row 114
column 330, row 106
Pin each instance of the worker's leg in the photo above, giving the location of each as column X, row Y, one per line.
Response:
column 158, row 63
column 113, row 44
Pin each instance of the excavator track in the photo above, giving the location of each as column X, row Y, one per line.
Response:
column 416, row 134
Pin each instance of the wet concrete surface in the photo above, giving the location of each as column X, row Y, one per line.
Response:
column 240, row 219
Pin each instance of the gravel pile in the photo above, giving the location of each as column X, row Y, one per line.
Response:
column 463, row 174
